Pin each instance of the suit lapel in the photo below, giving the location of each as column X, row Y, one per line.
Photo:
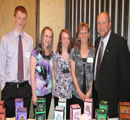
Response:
column 96, row 48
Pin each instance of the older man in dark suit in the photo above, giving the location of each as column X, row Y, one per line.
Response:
column 111, row 67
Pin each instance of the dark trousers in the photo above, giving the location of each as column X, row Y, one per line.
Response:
column 69, row 102
column 75, row 100
column 10, row 92
column 48, row 103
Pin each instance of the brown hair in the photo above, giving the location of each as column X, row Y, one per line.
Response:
column 42, row 43
column 59, row 46
column 20, row 8
column 78, row 41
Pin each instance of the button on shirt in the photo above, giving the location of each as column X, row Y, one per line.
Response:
column 105, row 41
column 9, row 57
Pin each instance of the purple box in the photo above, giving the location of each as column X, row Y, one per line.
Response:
column 18, row 104
column 22, row 113
column 88, row 107
column 75, row 111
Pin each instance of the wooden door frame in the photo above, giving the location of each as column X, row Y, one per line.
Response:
column 37, row 21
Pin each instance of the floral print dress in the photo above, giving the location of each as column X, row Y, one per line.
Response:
column 63, row 84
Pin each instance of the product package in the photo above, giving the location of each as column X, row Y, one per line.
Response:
column 22, row 113
column 84, row 117
column 104, row 105
column 41, row 103
column 88, row 107
column 100, row 114
column 75, row 111
column 62, row 102
column 59, row 113
column 124, row 110
column 40, row 114
column 18, row 104
column 2, row 114
column 1, row 104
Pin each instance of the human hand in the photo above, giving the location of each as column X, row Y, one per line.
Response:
column 34, row 99
column 87, row 95
column 82, row 96
column 52, row 97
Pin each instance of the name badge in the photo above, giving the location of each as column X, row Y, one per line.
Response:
column 27, row 54
column 89, row 60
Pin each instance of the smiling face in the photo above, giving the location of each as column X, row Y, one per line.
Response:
column 65, row 40
column 20, row 21
column 47, row 38
column 103, row 25
column 84, row 35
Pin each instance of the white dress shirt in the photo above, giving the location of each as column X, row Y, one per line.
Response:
column 9, row 57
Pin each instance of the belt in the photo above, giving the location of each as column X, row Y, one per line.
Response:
column 17, row 85
column 66, row 70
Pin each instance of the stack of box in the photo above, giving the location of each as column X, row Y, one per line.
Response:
column 18, row 104
column 2, row 111
column 62, row 102
column 59, row 113
column 40, row 111
column 88, row 107
column 124, row 110
column 102, row 112
column 75, row 111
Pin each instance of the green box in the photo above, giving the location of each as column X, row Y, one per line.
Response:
column 104, row 105
column 41, row 103
column 40, row 114
column 101, row 114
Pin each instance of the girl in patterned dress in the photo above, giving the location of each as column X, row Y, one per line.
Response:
column 62, row 73
column 41, row 69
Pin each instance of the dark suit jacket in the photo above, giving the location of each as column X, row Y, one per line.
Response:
column 114, row 73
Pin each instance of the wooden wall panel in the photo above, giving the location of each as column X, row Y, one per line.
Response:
column 7, row 12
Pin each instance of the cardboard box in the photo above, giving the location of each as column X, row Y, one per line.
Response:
column 62, row 102
column 59, row 113
column 2, row 114
column 18, row 104
column 101, row 114
column 41, row 103
column 124, row 116
column 84, row 117
column 104, row 105
column 124, row 107
column 75, row 111
column 88, row 107
column 1, row 104
column 124, row 110
column 22, row 113
column 40, row 114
